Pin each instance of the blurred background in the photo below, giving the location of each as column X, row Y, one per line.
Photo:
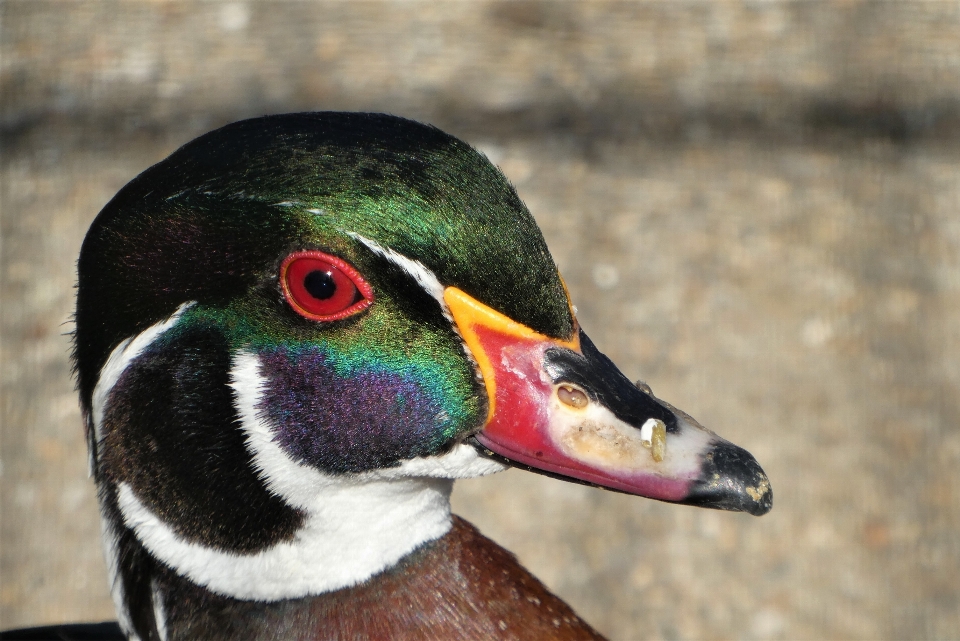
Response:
column 755, row 206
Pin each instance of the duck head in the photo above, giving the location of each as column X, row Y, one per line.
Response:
column 301, row 321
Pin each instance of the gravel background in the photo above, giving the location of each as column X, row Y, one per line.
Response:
column 755, row 207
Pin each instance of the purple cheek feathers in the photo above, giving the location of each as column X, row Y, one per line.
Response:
column 365, row 421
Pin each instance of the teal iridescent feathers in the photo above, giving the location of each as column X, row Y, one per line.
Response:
column 399, row 387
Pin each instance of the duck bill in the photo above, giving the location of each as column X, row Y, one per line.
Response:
column 561, row 408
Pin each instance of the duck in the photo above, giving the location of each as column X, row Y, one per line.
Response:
column 292, row 336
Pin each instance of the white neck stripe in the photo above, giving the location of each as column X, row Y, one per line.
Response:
column 355, row 527
column 321, row 557
column 118, row 361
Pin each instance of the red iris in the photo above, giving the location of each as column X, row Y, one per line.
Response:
column 322, row 287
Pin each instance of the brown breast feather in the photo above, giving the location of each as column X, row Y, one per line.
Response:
column 462, row 586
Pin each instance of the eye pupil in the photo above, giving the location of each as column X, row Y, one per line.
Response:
column 320, row 284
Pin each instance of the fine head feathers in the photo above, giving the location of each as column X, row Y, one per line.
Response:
column 213, row 222
column 263, row 350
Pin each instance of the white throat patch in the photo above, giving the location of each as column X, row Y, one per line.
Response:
column 355, row 527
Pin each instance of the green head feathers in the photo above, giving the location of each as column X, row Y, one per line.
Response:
column 213, row 222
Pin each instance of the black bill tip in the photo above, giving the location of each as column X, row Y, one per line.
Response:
column 731, row 479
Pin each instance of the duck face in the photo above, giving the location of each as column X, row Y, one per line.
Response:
column 373, row 293
column 382, row 211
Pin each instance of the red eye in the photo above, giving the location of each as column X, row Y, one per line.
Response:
column 323, row 287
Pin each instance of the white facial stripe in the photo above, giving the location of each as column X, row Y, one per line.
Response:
column 428, row 281
column 118, row 361
column 121, row 356
column 355, row 526
column 298, row 483
column 424, row 277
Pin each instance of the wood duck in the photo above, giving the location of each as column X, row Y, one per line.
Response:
column 292, row 335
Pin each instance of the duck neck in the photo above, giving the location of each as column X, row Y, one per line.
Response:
column 461, row 586
column 351, row 531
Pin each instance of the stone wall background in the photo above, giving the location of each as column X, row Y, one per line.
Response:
column 755, row 206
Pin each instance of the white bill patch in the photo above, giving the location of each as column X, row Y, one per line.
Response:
column 595, row 436
column 355, row 527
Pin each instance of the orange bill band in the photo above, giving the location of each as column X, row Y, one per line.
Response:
column 474, row 319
